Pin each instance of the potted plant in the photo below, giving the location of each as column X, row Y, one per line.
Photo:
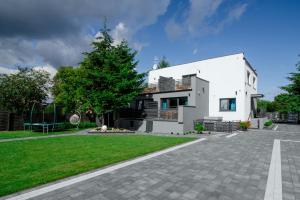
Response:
column 199, row 128
column 245, row 125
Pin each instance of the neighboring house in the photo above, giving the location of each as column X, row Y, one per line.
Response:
column 224, row 87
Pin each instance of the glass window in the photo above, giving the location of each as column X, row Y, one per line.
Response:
column 228, row 104
column 183, row 101
column 173, row 102
column 248, row 77
column 164, row 104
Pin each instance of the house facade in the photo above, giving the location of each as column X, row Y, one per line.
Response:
column 232, row 84
column 224, row 88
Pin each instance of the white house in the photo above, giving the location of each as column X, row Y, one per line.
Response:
column 232, row 84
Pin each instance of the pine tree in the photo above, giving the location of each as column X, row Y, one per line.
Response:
column 163, row 63
column 106, row 78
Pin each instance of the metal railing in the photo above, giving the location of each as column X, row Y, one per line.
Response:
column 168, row 114
column 179, row 85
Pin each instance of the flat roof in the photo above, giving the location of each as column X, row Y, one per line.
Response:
column 248, row 63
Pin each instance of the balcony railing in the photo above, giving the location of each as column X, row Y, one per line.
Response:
column 179, row 85
column 168, row 114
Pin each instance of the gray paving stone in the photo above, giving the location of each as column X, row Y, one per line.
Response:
column 220, row 168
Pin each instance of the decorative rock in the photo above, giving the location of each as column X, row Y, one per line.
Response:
column 104, row 128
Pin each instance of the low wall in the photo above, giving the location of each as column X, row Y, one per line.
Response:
column 132, row 124
column 190, row 113
column 167, row 127
column 258, row 122
column 157, row 126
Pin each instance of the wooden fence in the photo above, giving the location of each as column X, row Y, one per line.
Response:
column 284, row 117
column 219, row 126
column 10, row 121
column 4, row 121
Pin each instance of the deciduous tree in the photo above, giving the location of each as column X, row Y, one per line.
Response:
column 20, row 90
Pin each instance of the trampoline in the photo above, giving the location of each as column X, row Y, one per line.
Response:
column 39, row 120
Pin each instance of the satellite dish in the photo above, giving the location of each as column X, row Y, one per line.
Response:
column 155, row 65
column 75, row 119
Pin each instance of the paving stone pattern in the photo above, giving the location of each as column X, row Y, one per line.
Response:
column 219, row 168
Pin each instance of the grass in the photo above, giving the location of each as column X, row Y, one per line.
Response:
column 23, row 134
column 25, row 164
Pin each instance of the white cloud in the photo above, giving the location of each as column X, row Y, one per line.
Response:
column 61, row 33
column 204, row 17
column 120, row 33
column 200, row 11
column 195, row 51
column 173, row 29
column 48, row 68
column 4, row 70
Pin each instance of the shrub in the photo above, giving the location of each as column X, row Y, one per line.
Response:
column 199, row 127
column 268, row 123
column 245, row 125
column 87, row 124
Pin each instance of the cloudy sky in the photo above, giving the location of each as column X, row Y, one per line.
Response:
column 52, row 33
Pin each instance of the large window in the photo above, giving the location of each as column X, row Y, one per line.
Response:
column 228, row 104
column 173, row 102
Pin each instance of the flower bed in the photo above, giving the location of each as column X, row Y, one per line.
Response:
column 108, row 131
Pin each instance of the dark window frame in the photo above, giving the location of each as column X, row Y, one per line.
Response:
column 228, row 101
column 168, row 99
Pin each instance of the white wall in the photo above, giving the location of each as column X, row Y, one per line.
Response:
column 226, row 76
column 250, row 88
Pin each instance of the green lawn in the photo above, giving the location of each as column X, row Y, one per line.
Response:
column 21, row 134
column 29, row 163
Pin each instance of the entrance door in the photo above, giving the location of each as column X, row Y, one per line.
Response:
column 149, row 126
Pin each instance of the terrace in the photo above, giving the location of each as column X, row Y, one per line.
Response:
column 166, row 84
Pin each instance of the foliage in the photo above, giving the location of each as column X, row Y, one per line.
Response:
column 34, row 162
column 163, row 63
column 199, row 127
column 287, row 103
column 87, row 124
column 245, row 125
column 265, row 106
column 20, row 90
column 106, row 79
column 268, row 123
column 65, row 85
column 294, row 87
column 290, row 101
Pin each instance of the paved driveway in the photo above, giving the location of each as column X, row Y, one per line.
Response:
column 217, row 168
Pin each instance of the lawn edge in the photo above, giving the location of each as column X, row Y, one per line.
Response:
column 15, row 195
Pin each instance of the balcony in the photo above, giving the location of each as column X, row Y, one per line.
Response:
column 168, row 85
column 168, row 114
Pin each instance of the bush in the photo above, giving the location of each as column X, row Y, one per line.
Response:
column 87, row 124
column 82, row 125
column 199, row 127
column 268, row 123
column 245, row 125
